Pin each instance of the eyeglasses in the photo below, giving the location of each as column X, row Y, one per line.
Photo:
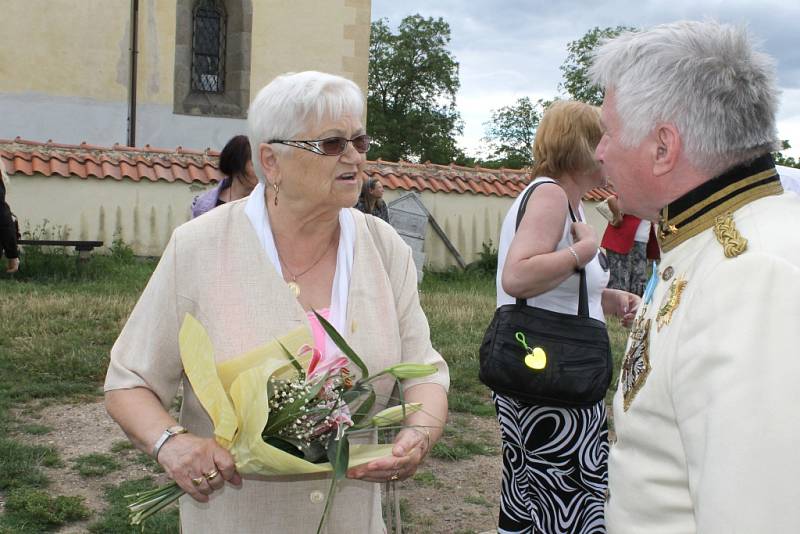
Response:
column 330, row 146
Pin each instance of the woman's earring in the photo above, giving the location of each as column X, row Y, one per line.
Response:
column 276, row 188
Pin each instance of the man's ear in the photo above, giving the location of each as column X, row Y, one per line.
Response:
column 667, row 149
column 269, row 163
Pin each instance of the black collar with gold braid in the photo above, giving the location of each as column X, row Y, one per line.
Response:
column 697, row 210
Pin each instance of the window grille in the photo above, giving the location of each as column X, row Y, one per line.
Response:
column 208, row 48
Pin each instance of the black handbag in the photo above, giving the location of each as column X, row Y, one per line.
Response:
column 539, row 356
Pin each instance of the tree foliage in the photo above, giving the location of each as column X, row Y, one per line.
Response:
column 576, row 67
column 510, row 133
column 786, row 161
column 413, row 80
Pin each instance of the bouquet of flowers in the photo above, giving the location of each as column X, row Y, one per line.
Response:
column 282, row 410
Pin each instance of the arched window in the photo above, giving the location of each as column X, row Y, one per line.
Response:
column 212, row 57
column 208, row 47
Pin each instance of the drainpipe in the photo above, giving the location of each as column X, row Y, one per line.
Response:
column 132, row 79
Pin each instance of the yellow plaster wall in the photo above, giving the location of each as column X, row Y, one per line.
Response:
column 145, row 213
column 325, row 35
column 469, row 221
column 80, row 49
column 66, row 48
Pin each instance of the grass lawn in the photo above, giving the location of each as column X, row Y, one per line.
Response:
column 58, row 322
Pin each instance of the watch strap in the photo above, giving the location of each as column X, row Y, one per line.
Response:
column 168, row 433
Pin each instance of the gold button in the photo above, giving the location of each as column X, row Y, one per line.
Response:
column 316, row 497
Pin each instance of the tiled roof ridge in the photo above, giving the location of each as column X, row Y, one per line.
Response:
column 153, row 164
column 452, row 169
column 116, row 152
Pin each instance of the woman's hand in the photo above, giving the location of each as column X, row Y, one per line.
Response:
column 585, row 242
column 192, row 462
column 13, row 265
column 621, row 304
column 410, row 447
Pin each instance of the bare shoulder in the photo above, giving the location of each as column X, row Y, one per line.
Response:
column 548, row 201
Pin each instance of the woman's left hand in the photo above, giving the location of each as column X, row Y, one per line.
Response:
column 410, row 447
column 621, row 304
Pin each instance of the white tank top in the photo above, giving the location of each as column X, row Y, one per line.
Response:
column 564, row 297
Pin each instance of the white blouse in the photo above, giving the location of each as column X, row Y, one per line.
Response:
column 564, row 297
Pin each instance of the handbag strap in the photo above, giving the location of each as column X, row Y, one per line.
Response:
column 583, row 294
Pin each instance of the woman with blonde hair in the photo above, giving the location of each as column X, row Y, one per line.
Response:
column 554, row 458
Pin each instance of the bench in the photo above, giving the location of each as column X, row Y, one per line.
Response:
column 84, row 248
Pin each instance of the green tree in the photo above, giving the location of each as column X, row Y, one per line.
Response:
column 510, row 133
column 579, row 58
column 413, row 80
column 786, row 161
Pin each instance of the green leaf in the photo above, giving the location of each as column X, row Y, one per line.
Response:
column 292, row 359
column 342, row 344
column 364, row 408
column 339, row 455
column 291, row 411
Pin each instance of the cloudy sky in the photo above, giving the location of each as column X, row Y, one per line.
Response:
column 508, row 49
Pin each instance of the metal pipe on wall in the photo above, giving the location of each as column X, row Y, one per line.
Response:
column 132, row 79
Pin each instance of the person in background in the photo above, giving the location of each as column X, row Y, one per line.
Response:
column 629, row 242
column 554, row 458
column 8, row 228
column 254, row 270
column 706, row 411
column 371, row 199
column 235, row 162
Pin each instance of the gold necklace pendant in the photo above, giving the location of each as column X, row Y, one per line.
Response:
column 294, row 287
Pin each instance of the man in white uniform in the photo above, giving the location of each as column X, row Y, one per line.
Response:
column 707, row 412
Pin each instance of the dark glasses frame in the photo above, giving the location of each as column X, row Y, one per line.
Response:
column 316, row 145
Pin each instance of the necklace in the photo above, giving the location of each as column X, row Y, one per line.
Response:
column 293, row 285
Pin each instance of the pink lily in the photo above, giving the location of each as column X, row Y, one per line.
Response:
column 318, row 367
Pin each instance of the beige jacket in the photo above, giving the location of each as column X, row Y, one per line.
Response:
column 709, row 440
column 215, row 268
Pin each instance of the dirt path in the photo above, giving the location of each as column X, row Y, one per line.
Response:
column 446, row 497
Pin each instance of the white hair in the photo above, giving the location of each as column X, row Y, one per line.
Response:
column 296, row 101
column 706, row 78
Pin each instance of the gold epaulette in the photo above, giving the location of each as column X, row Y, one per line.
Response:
column 733, row 243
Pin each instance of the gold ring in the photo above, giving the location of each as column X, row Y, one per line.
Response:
column 197, row 481
column 395, row 476
column 212, row 475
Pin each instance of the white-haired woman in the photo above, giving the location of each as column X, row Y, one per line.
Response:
column 8, row 228
column 299, row 247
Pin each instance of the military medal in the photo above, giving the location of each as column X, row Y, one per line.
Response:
column 636, row 363
column 671, row 301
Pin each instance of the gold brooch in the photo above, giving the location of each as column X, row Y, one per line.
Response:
column 670, row 302
column 729, row 237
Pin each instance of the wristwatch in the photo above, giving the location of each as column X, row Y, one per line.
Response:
column 168, row 433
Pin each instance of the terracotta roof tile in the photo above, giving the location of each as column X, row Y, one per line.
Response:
column 153, row 164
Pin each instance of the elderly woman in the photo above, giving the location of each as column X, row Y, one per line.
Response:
column 299, row 247
column 554, row 458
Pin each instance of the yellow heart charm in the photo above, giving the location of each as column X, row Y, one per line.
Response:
column 537, row 359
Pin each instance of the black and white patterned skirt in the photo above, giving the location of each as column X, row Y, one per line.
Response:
column 555, row 468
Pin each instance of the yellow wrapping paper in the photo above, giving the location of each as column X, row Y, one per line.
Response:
column 234, row 394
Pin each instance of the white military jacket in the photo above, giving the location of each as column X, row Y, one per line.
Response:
column 707, row 412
